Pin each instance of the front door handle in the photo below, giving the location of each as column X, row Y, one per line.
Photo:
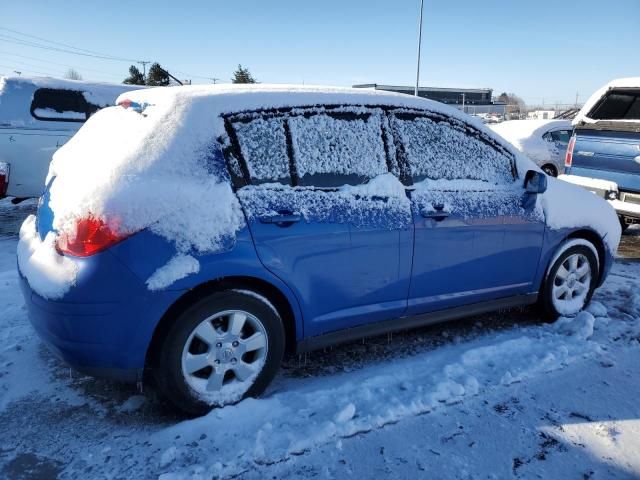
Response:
column 436, row 215
column 281, row 219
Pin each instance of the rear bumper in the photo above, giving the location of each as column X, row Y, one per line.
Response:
column 99, row 336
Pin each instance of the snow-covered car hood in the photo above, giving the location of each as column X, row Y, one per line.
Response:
column 569, row 206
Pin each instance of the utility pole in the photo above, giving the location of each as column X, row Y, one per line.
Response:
column 463, row 103
column 144, row 68
column 577, row 96
column 214, row 80
column 419, row 45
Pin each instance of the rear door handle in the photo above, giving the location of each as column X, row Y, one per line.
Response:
column 281, row 218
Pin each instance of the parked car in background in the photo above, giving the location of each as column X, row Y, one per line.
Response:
column 604, row 153
column 543, row 141
column 193, row 234
column 37, row 116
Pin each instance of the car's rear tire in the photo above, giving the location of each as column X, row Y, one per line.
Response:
column 225, row 347
column 571, row 280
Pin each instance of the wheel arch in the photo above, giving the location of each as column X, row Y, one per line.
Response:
column 596, row 240
column 260, row 286
column 581, row 234
column 552, row 166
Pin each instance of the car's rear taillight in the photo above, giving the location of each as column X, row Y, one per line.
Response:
column 91, row 235
column 568, row 159
column 4, row 179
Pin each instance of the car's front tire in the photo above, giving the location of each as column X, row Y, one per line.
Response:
column 225, row 347
column 571, row 280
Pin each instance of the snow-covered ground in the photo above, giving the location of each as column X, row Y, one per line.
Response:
column 494, row 396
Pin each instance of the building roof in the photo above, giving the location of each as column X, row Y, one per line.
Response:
column 422, row 89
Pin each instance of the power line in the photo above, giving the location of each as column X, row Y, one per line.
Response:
column 202, row 77
column 18, row 41
column 32, row 71
column 52, row 41
column 78, row 51
column 57, row 63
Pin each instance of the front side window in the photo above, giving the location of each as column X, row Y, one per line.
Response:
column 263, row 145
column 61, row 105
column 618, row 105
column 436, row 149
column 331, row 150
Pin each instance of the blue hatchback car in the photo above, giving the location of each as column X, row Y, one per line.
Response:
column 192, row 235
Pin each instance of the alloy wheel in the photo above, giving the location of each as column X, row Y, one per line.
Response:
column 224, row 354
column 571, row 284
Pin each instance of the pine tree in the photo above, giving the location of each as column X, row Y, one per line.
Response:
column 135, row 76
column 242, row 75
column 157, row 76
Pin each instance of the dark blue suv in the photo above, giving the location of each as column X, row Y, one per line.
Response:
column 193, row 235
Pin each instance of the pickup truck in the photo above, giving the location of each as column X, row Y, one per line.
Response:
column 603, row 154
column 37, row 116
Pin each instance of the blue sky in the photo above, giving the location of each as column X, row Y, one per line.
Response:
column 540, row 49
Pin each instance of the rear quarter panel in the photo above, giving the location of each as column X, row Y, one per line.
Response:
column 146, row 252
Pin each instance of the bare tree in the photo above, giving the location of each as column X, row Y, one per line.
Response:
column 515, row 104
column 72, row 74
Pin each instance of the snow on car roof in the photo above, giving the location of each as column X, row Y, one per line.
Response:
column 213, row 101
column 231, row 98
column 583, row 114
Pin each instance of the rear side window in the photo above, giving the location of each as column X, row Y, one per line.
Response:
column 436, row 149
column 331, row 150
column 558, row 136
column 263, row 144
column 61, row 105
column 618, row 105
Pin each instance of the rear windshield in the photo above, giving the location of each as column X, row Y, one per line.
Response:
column 618, row 105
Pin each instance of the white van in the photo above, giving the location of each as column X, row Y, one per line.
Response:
column 37, row 116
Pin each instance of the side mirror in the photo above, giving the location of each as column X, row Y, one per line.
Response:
column 535, row 182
